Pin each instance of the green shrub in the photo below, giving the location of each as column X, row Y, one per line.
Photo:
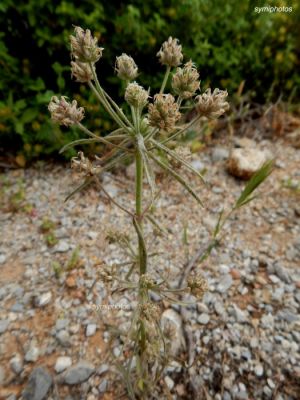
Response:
column 225, row 39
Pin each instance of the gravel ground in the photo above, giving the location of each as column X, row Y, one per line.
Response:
column 244, row 337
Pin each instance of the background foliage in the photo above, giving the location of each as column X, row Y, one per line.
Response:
column 228, row 41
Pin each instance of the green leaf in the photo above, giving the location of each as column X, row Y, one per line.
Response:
column 177, row 157
column 218, row 226
column 29, row 115
column 177, row 177
column 259, row 177
column 85, row 184
column 77, row 142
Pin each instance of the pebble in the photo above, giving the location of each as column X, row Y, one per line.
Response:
column 3, row 325
column 39, row 383
column 43, row 300
column 32, row 354
column 225, row 283
column 64, row 338
column 219, row 154
column 259, row 370
column 91, row 330
column 2, row 258
column 2, row 375
column 203, row 319
column 62, row 363
column 61, row 247
column 172, row 320
column 16, row 364
column 169, row 382
column 103, row 386
column 79, row 373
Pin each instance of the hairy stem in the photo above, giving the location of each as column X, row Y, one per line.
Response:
column 139, row 210
column 165, row 79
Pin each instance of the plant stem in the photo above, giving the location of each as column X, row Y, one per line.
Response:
column 139, row 209
column 165, row 79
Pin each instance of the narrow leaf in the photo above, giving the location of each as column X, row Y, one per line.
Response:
column 177, row 177
column 77, row 142
column 177, row 157
column 85, row 184
column 259, row 177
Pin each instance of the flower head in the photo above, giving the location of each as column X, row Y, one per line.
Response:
column 65, row 113
column 212, row 105
column 170, row 53
column 126, row 68
column 150, row 311
column 136, row 95
column 198, row 285
column 185, row 81
column 81, row 71
column 82, row 163
column 164, row 113
column 84, row 46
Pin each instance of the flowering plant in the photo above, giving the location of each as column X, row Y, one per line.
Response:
column 148, row 136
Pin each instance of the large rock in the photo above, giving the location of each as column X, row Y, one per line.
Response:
column 79, row 373
column 244, row 162
column 171, row 322
column 38, row 385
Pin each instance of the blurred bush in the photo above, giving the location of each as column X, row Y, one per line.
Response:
column 229, row 42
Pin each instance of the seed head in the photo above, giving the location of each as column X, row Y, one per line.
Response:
column 146, row 282
column 65, row 113
column 126, row 68
column 164, row 113
column 150, row 311
column 212, row 105
column 185, row 81
column 82, row 163
column 170, row 53
column 84, row 47
column 136, row 95
column 198, row 285
column 81, row 71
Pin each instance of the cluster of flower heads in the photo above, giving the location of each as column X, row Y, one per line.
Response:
column 65, row 113
column 164, row 112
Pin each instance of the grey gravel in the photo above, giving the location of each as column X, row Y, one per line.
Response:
column 79, row 373
column 39, row 383
column 3, row 325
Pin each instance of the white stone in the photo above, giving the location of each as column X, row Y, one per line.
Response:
column 244, row 162
column 62, row 363
column 91, row 330
column 171, row 319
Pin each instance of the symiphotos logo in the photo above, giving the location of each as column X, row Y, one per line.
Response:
column 272, row 9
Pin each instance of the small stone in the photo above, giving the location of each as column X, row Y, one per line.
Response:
column 259, row 370
column 61, row 323
column 103, row 386
column 225, row 283
column 240, row 315
column 92, row 235
column 62, row 363
column 61, row 247
column 198, row 165
column 71, row 282
column 64, row 338
column 91, row 330
column 16, row 364
column 38, row 385
column 79, row 373
column 244, row 162
column 219, row 154
column 203, row 319
column 32, row 354
column 3, row 325
column 43, row 300
column 235, row 273
column 102, row 369
column 2, row 258
column 169, row 382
